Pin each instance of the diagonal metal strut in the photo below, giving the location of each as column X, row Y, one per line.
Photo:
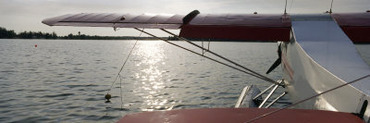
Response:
column 167, row 41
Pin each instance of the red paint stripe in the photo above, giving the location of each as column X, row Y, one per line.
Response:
column 357, row 34
column 240, row 115
column 223, row 32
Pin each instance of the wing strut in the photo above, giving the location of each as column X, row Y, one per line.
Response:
column 228, row 60
column 250, row 72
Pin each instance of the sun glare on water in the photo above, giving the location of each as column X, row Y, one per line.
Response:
column 151, row 82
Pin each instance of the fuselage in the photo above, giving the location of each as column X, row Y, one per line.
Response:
column 319, row 57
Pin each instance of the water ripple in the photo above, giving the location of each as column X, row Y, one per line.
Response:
column 59, row 95
column 65, row 81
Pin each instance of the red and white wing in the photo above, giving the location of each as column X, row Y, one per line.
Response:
column 193, row 25
column 252, row 27
column 355, row 25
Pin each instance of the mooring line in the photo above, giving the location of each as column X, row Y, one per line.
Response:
column 124, row 63
column 167, row 41
column 304, row 100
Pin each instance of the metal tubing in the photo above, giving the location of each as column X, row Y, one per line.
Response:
column 167, row 41
column 263, row 92
column 277, row 98
column 301, row 101
column 268, row 96
column 255, row 74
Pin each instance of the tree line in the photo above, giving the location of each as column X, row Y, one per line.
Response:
column 10, row 34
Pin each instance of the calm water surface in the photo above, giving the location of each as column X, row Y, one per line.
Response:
column 65, row 81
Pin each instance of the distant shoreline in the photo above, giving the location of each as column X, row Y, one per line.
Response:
column 10, row 34
column 139, row 39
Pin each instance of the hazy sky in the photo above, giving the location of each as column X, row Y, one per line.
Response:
column 26, row 15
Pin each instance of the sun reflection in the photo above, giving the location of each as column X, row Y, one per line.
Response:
column 151, row 85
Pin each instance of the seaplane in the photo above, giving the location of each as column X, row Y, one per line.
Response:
column 323, row 74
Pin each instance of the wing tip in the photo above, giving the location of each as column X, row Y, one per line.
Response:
column 54, row 20
column 48, row 21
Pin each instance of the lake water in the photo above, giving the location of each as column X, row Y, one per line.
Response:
column 66, row 80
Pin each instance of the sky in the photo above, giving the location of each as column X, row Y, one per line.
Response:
column 26, row 15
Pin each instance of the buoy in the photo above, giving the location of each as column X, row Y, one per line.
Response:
column 108, row 97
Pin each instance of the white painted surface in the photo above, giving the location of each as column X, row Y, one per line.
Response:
column 328, row 45
column 323, row 57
